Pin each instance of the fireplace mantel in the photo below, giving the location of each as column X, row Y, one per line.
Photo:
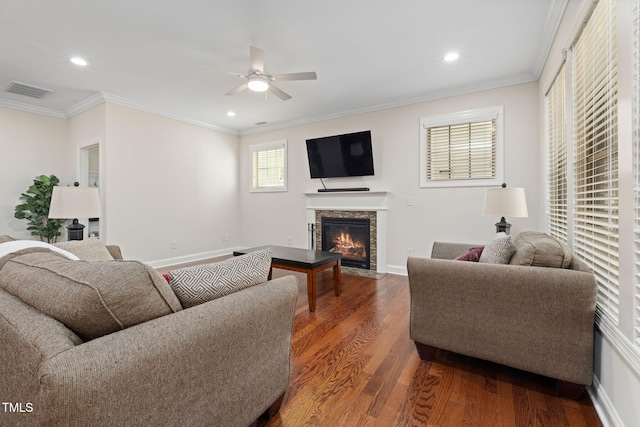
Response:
column 366, row 201
column 348, row 200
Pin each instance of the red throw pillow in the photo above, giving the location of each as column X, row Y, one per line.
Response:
column 166, row 277
column 473, row 254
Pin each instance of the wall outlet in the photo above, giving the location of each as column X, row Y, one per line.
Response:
column 225, row 237
column 173, row 244
column 409, row 200
column 289, row 241
column 409, row 251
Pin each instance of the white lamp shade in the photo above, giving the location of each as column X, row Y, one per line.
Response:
column 505, row 202
column 75, row 202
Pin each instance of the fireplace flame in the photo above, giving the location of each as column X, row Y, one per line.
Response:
column 344, row 244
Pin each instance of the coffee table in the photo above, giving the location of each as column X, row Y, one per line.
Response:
column 305, row 261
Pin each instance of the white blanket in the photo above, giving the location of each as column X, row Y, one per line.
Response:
column 16, row 245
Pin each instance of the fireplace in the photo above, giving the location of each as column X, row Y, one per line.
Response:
column 362, row 204
column 349, row 236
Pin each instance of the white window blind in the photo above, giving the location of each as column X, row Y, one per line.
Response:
column 462, row 151
column 268, row 167
column 557, row 157
column 636, row 164
column 462, row 148
column 596, row 153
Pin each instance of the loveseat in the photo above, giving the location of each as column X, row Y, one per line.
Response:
column 220, row 363
column 527, row 316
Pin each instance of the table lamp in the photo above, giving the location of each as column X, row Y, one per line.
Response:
column 505, row 202
column 73, row 203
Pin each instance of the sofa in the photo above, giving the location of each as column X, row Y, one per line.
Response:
column 524, row 313
column 224, row 362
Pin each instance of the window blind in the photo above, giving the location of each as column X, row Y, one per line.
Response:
column 557, row 157
column 596, row 153
column 461, row 151
column 636, row 164
column 268, row 167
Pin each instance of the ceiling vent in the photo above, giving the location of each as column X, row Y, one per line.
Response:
column 27, row 90
column 261, row 123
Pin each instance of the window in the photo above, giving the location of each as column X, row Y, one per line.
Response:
column 462, row 149
column 269, row 166
column 557, row 157
column 596, row 153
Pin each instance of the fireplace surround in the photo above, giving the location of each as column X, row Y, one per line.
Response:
column 356, row 204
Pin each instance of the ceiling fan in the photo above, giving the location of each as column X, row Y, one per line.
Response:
column 259, row 81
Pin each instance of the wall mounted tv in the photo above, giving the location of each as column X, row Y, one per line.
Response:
column 340, row 155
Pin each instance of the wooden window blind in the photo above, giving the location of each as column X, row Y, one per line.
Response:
column 268, row 166
column 557, row 157
column 462, row 151
column 596, row 153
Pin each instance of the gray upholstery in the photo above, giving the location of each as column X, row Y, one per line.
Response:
column 90, row 298
column 536, row 319
column 221, row 363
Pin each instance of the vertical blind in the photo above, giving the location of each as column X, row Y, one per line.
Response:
column 462, row 151
column 596, row 153
column 557, row 157
column 268, row 167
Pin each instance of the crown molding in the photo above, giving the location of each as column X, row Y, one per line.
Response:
column 21, row 106
column 84, row 105
column 432, row 96
column 101, row 97
column 549, row 31
column 114, row 99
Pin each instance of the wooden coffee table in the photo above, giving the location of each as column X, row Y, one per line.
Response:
column 306, row 261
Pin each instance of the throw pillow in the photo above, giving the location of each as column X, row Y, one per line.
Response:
column 499, row 250
column 90, row 249
column 541, row 250
column 201, row 283
column 5, row 238
column 473, row 254
column 90, row 298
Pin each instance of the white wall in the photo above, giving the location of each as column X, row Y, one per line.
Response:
column 453, row 214
column 30, row 145
column 87, row 129
column 169, row 181
column 616, row 389
column 162, row 180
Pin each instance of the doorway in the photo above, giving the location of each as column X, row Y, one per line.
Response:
column 90, row 177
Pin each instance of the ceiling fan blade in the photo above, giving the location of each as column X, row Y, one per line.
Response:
column 237, row 90
column 257, row 59
column 311, row 75
column 279, row 93
column 221, row 71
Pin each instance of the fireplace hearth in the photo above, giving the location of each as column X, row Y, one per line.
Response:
column 349, row 236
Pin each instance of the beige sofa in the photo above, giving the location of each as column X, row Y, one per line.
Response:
column 222, row 363
column 534, row 318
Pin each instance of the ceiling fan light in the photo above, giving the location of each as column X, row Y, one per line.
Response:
column 258, row 84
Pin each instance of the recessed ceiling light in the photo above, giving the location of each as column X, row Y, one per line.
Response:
column 79, row 61
column 231, row 113
column 452, row 56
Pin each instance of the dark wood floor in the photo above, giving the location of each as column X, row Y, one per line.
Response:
column 353, row 364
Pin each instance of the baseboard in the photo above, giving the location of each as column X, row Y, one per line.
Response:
column 603, row 406
column 167, row 262
column 400, row 270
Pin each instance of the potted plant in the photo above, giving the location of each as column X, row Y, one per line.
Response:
column 35, row 209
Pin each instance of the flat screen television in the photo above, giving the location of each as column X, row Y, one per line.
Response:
column 340, row 155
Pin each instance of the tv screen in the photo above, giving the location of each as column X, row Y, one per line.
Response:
column 340, row 155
